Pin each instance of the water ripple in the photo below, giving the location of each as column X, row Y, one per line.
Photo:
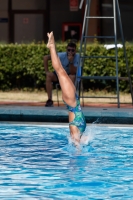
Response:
column 38, row 162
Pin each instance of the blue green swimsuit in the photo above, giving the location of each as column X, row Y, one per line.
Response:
column 79, row 120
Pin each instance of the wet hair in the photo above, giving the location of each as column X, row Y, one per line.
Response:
column 71, row 44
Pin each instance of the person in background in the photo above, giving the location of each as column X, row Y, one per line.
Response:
column 77, row 123
column 69, row 61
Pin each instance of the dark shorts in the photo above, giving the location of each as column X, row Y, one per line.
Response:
column 54, row 72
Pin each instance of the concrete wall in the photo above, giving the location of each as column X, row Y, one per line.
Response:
column 127, row 19
column 3, row 21
column 93, row 28
column 60, row 13
column 28, row 4
column 126, row 10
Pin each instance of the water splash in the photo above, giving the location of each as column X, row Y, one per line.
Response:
column 98, row 121
column 85, row 142
column 86, row 139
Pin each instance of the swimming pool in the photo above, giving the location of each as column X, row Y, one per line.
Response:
column 39, row 162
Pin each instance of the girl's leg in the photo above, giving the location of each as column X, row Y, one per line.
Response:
column 68, row 88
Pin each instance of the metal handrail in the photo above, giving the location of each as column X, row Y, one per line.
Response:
column 83, row 40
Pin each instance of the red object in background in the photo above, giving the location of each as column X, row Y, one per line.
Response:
column 74, row 5
column 25, row 20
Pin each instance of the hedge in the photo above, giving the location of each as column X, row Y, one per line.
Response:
column 21, row 66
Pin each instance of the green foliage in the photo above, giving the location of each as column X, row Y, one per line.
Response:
column 21, row 66
column 107, row 67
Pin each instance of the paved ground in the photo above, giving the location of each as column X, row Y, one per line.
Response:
column 37, row 112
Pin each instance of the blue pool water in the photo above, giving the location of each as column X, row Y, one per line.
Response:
column 38, row 162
